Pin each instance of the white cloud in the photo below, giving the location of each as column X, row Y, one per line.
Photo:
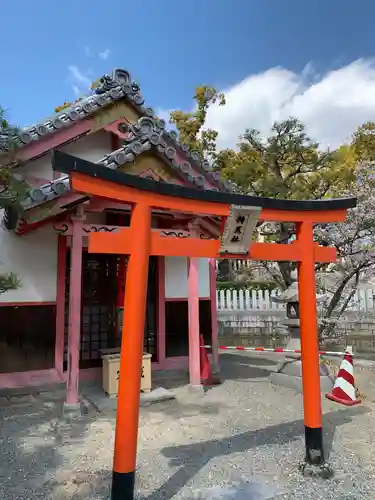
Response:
column 104, row 54
column 332, row 105
column 87, row 51
column 79, row 80
column 76, row 90
column 79, row 75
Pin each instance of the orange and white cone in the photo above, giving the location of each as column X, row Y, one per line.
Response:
column 206, row 373
column 343, row 391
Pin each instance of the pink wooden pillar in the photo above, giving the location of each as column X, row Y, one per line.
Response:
column 160, row 340
column 214, row 320
column 60, row 303
column 193, row 304
column 75, row 292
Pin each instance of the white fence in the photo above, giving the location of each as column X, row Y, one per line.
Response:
column 260, row 301
column 247, row 300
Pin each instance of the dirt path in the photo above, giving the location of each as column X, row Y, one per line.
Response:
column 244, row 431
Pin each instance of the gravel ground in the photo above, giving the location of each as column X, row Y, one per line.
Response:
column 244, row 434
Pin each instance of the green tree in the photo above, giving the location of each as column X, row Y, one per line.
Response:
column 12, row 187
column 191, row 125
column 288, row 164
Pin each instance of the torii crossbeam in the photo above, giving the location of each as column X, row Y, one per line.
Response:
column 139, row 241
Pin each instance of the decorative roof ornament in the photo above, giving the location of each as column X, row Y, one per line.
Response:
column 106, row 83
column 109, row 89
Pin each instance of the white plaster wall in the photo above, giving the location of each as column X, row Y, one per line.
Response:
column 33, row 258
column 176, row 284
column 204, row 277
column 91, row 147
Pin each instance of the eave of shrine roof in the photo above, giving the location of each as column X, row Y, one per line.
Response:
column 147, row 135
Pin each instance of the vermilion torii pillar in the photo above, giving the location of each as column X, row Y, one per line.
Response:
column 239, row 214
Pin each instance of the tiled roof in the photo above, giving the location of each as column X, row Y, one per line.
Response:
column 147, row 134
column 110, row 89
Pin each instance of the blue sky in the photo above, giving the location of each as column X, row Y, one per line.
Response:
column 169, row 46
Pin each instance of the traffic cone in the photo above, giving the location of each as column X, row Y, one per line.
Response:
column 343, row 391
column 206, row 373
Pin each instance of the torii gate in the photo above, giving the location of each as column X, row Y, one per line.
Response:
column 239, row 214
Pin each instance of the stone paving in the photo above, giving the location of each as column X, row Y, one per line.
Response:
column 242, row 439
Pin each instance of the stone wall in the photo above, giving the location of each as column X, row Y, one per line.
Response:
column 264, row 330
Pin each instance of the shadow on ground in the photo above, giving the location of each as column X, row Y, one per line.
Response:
column 248, row 358
column 32, row 435
column 235, row 366
column 175, row 408
column 192, row 458
column 232, row 367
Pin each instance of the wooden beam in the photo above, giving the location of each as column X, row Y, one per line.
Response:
column 85, row 184
column 122, row 243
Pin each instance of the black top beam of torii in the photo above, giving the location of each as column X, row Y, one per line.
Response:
column 65, row 163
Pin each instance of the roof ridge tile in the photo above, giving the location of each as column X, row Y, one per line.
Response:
column 110, row 89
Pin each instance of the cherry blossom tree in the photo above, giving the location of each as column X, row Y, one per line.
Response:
column 354, row 241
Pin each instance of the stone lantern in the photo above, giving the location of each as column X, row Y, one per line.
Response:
column 289, row 372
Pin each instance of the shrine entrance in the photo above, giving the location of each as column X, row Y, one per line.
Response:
column 237, row 216
column 103, row 286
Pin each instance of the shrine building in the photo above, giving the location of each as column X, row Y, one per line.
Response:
column 115, row 128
